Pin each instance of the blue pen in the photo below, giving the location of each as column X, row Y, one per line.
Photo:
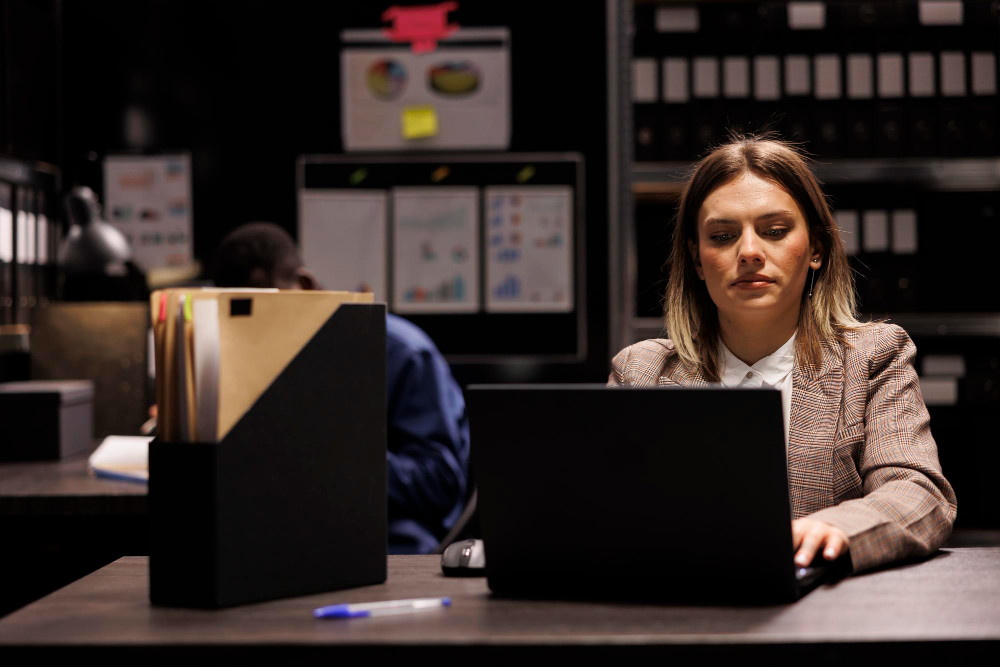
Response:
column 387, row 608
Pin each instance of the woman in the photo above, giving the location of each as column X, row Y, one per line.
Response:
column 761, row 294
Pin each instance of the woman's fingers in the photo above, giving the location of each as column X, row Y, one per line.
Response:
column 799, row 527
column 810, row 536
column 810, row 543
column 835, row 545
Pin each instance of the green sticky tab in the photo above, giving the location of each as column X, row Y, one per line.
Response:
column 187, row 309
column 525, row 174
column 357, row 176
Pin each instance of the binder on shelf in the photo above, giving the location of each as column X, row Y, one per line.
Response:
column 292, row 499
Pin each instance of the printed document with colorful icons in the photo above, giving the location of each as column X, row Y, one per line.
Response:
column 451, row 96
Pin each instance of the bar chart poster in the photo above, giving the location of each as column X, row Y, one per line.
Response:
column 148, row 198
column 436, row 250
column 529, row 249
column 342, row 234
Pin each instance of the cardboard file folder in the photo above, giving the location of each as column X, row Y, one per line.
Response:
column 292, row 499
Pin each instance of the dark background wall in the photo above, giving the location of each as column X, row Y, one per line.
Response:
column 248, row 86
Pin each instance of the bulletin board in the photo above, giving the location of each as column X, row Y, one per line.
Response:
column 483, row 252
column 455, row 96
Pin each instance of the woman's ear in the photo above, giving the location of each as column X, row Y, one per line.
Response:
column 693, row 249
column 816, row 260
column 307, row 279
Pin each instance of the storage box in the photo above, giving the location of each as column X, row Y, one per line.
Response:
column 292, row 501
column 46, row 419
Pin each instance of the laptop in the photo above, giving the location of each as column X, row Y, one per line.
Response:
column 666, row 493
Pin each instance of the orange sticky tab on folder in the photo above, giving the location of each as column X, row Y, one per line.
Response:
column 419, row 122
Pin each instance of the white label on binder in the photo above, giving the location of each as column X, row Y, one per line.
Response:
column 859, row 76
column 31, row 237
column 643, row 80
column 904, row 231
column 766, row 85
column 806, row 15
column 876, row 231
column 736, row 76
column 827, row 76
column 847, row 222
column 921, row 75
column 43, row 239
column 677, row 19
column 22, row 236
column 952, row 365
column 940, row 12
column 796, row 75
column 939, row 391
column 6, row 235
column 706, row 77
column 952, row 73
column 984, row 73
column 890, row 75
column 675, row 80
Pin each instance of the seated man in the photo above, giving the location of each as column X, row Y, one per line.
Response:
column 428, row 447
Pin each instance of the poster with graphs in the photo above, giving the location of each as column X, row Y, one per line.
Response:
column 148, row 198
column 436, row 250
column 342, row 236
column 529, row 249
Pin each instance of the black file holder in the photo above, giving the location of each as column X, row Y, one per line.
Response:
column 292, row 501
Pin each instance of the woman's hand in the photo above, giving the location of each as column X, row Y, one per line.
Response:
column 810, row 536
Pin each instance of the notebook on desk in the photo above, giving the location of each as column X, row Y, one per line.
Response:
column 674, row 493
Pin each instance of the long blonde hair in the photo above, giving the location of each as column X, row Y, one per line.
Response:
column 691, row 318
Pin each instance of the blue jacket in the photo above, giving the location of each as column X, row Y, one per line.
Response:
column 428, row 446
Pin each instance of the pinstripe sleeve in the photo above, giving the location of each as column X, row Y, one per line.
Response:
column 909, row 507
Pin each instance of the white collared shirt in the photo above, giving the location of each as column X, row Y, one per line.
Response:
column 774, row 370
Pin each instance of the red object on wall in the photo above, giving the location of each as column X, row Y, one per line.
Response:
column 422, row 25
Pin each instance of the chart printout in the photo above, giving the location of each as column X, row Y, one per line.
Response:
column 343, row 238
column 436, row 250
column 529, row 249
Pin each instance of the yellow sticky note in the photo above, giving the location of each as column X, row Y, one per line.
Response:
column 419, row 122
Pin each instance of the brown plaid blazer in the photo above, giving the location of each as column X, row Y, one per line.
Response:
column 860, row 454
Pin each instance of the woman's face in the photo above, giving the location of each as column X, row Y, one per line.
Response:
column 753, row 249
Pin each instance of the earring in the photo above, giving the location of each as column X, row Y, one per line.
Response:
column 812, row 279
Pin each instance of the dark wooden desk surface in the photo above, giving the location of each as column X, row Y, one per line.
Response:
column 948, row 602
column 58, row 523
column 60, row 488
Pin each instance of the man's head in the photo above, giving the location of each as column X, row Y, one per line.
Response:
column 261, row 254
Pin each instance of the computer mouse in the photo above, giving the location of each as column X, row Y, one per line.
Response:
column 465, row 558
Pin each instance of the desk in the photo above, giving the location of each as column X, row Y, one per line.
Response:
column 58, row 523
column 64, row 488
column 947, row 606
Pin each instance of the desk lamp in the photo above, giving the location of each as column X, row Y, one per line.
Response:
column 95, row 258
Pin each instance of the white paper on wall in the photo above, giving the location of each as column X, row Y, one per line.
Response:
column 435, row 250
column 342, row 238
column 148, row 198
column 529, row 249
column 467, row 89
